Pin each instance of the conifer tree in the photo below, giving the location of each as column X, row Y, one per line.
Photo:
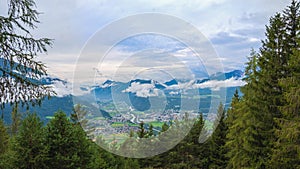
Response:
column 20, row 72
column 272, row 64
column 231, row 112
column 251, row 136
column 15, row 118
column 97, row 158
column 189, row 153
column 164, row 127
column 29, row 144
column 78, row 115
column 68, row 145
column 286, row 152
column 7, row 156
column 217, row 158
column 247, row 136
column 142, row 131
column 150, row 132
column 292, row 20
column 3, row 138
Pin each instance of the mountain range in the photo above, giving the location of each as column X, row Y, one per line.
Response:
column 138, row 93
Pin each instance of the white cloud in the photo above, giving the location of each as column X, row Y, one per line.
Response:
column 217, row 84
column 182, row 86
column 61, row 89
column 173, row 93
column 142, row 90
column 212, row 84
column 71, row 23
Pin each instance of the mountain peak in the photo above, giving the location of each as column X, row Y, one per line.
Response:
column 171, row 82
column 108, row 82
column 235, row 73
column 227, row 75
column 141, row 81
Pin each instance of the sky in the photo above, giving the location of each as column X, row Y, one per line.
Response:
column 231, row 27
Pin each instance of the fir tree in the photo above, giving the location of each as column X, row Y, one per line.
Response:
column 97, row 161
column 7, row 156
column 251, row 136
column 248, row 135
column 68, row 145
column 292, row 20
column 4, row 138
column 272, row 64
column 16, row 119
column 20, row 72
column 78, row 115
column 189, row 153
column 150, row 132
column 286, row 152
column 231, row 112
column 29, row 144
column 164, row 127
column 286, row 147
column 142, row 131
column 217, row 141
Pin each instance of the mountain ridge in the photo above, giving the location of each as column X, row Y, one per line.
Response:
column 64, row 101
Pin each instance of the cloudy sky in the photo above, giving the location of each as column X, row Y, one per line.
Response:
column 232, row 27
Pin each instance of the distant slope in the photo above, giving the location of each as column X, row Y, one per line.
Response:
column 64, row 101
column 47, row 108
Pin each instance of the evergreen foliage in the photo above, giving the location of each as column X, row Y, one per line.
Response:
column 3, row 138
column 29, row 144
column 286, row 152
column 68, row 146
column 20, row 73
column 217, row 158
column 16, row 119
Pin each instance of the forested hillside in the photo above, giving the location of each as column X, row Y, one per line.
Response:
column 261, row 129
